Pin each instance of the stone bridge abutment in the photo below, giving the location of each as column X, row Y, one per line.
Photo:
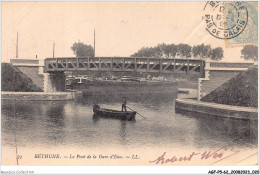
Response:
column 34, row 69
column 218, row 73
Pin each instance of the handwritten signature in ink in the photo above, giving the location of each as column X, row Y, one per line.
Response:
column 217, row 155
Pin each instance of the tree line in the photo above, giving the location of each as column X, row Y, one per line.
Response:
column 80, row 49
column 249, row 52
column 181, row 50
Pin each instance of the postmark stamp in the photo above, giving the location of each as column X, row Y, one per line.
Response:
column 249, row 36
column 225, row 20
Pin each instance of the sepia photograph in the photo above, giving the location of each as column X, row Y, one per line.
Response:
column 129, row 83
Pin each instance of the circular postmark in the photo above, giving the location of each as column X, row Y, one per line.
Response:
column 225, row 20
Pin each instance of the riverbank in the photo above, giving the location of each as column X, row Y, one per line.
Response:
column 40, row 96
column 237, row 98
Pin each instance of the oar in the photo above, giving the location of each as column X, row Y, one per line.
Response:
column 136, row 112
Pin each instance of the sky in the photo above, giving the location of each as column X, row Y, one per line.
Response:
column 122, row 28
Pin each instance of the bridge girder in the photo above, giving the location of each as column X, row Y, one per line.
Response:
column 149, row 65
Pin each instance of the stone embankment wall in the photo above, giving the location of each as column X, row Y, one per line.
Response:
column 40, row 96
column 213, row 109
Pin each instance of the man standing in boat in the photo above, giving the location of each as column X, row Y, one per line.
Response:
column 124, row 104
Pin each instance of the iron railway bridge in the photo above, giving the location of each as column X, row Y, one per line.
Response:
column 128, row 64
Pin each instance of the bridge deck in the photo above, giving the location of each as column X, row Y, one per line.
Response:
column 160, row 65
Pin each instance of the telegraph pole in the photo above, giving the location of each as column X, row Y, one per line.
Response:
column 94, row 43
column 53, row 49
column 17, row 46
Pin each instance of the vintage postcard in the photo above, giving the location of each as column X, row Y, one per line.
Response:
column 129, row 83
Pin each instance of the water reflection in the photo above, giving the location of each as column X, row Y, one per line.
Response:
column 34, row 121
column 55, row 115
column 122, row 128
column 214, row 128
column 45, row 124
column 123, row 131
column 155, row 99
column 95, row 119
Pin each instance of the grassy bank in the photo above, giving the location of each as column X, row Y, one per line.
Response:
column 14, row 80
column 241, row 90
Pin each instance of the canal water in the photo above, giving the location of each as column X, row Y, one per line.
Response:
column 65, row 127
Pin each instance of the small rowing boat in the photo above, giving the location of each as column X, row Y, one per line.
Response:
column 109, row 113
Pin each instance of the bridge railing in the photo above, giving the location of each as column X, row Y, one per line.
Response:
column 131, row 64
